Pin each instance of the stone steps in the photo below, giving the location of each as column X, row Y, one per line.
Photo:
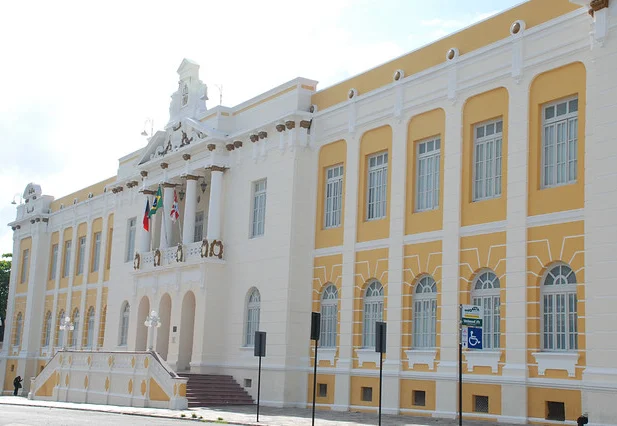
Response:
column 206, row 390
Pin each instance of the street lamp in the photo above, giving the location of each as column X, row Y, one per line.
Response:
column 66, row 325
column 17, row 194
column 152, row 321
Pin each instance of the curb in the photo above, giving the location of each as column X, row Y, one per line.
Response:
column 156, row 416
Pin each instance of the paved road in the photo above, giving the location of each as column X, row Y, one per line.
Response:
column 41, row 416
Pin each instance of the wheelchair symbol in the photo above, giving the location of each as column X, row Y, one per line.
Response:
column 474, row 337
column 473, row 340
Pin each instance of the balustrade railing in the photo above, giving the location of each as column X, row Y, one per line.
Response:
column 197, row 252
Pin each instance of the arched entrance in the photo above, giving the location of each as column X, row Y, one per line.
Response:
column 162, row 336
column 187, row 323
column 141, row 336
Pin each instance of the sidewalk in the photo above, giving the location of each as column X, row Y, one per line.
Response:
column 246, row 415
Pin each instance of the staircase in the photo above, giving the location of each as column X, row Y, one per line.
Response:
column 204, row 390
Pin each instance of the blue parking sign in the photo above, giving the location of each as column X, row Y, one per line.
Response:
column 474, row 337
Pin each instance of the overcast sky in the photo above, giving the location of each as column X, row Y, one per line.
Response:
column 78, row 81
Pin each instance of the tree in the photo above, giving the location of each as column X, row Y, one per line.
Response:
column 5, row 275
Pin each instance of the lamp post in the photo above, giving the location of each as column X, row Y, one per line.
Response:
column 17, row 194
column 152, row 321
column 66, row 325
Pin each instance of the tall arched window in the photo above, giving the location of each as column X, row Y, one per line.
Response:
column 329, row 309
column 90, row 328
column 485, row 293
column 47, row 330
column 425, row 313
column 253, row 308
column 60, row 334
column 102, row 322
column 75, row 331
column 19, row 325
column 559, row 311
column 124, row 324
column 373, row 312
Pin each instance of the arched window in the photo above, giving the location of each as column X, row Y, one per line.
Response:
column 47, row 330
column 485, row 293
column 185, row 94
column 329, row 309
column 75, row 331
column 19, row 325
column 102, row 322
column 373, row 312
column 559, row 311
column 60, row 335
column 425, row 313
column 253, row 307
column 90, row 328
column 124, row 324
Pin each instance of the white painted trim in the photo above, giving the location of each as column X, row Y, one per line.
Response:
column 373, row 244
column 423, row 237
column 421, row 357
column 367, row 355
column 555, row 218
column 326, row 354
column 556, row 361
column 328, row 251
column 483, row 228
column 551, row 422
column 483, row 358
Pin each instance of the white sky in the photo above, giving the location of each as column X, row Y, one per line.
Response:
column 78, row 80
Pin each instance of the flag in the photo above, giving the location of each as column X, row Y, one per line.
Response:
column 146, row 220
column 157, row 203
column 175, row 213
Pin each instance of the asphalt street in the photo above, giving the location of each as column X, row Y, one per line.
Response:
column 43, row 416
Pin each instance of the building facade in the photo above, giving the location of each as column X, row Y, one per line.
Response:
column 476, row 170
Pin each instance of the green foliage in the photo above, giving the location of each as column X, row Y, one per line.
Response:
column 194, row 415
column 5, row 273
column 182, row 415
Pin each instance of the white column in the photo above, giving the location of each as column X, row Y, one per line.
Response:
column 99, row 287
column 69, row 293
column 54, row 312
column 215, row 204
column 83, row 319
column 345, row 361
column 144, row 236
column 10, row 308
column 514, row 396
column 166, row 230
column 398, row 160
column 190, row 206
column 447, row 401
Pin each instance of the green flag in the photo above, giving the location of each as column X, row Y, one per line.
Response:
column 157, row 202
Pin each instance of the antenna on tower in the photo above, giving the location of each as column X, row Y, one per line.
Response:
column 220, row 87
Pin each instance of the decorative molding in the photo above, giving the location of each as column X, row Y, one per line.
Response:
column 326, row 354
column 483, row 228
column 423, row 237
column 556, row 361
column 190, row 177
column 186, row 157
column 230, row 146
column 147, row 192
column 237, row 144
column 143, row 173
column 280, row 128
column 373, row 244
column 216, row 168
column 290, row 124
column 164, row 165
column 328, row 251
column 262, row 135
column 421, row 357
column 367, row 355
column 254, row 137
column 482, row 359
column 211, row 147
column 596, row 5
column 555, row 218
column 305, row 124
column 169, row 185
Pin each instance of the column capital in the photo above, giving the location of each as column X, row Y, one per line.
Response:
column 215, row 168
column 147, row 192
column 168, row 185
column 190, row 177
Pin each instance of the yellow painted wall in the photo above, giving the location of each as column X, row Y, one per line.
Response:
column 407, row 387
column 326, row 270
column 370, row 264
column 97, row 226
column 48, row 308
column 552, row 86
column 101, row 336
column 537, row 398
column 421, row 127
column 356, row 384
column 68, row 235
column 547, row 245
column 90, row 303
column 82, row 230
column 534, row 12
column 492, row 391
column 156, row 392
column 55, row 239
column 373, row 142
column 110, row 232
column 327, row 379
column 329, row 155
column 48, row 387
column 82, row 194
column 420, row 259
column 10, row 374
column 26, row 244
column 19, row 307
column 483, row 107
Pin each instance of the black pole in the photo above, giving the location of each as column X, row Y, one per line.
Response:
column 258, row 388
column 460, row 366
column 314, row 383
column 380, row 377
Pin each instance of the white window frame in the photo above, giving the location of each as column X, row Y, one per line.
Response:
column 131, row 225
column 253, row 312
column 75, row 331
column 377, row 186
column 54, row 261
column 198, row 232
column 66, row 265
column 25, row 260
column 90, row 327
column 47, row 330
column 424, row 333
column 428, row 199
column 19, row 326
column 96, row 252
column 81, row 254
column 568, row 121
column 258, row 216
column 485, row 292
column 333, row 196
column 329, row 317
column 124, row 324
column 561, row 293
column 487, row 167
column 372, row 312
column 60, row 335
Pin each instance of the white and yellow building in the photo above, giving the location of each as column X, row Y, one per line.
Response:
column 478, row 169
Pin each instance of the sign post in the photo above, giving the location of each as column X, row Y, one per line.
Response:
column 315, row 330
column 259, row 350
column 380, row 346
column 470, row 337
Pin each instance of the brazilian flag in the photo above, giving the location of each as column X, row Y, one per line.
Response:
column 157, row 202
